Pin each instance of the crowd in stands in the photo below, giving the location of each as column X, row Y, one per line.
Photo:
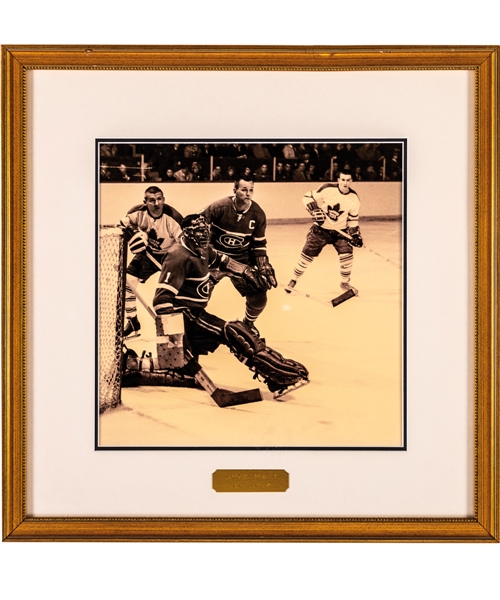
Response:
column 263, row 162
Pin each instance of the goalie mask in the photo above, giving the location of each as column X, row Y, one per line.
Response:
column 197, row 230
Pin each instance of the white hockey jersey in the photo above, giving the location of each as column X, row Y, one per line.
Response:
column 341, row 209
column 162, row 232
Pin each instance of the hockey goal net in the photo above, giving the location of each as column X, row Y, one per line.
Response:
column 111, row 296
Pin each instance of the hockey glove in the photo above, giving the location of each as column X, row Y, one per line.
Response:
column 316, row 212
column 256, row 279
column 139, row 242
column 355, row 234
column 265, row 269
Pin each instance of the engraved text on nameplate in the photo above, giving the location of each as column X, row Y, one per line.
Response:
column 250, row 480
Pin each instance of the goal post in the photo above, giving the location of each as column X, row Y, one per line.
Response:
column 111, row 304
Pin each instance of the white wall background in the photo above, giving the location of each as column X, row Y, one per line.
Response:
column 294, row 571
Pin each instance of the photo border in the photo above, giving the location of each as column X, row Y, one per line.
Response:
column 403, row 307
column 17, row 61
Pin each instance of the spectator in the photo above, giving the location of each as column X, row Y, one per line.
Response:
column 300, row 172
column 357, row 176
column 315, row 152
column 371, row 174
column 122, row 173
column 108, row 150
column 301, row 151
column 160, row 159
column 235, row 151
column 287, row 172
column 230, row 174
column 368, row 153
column 247, row 173
column 192, row 151
column 280, row 172
column 306, row 158
column 325, row 152
column 183, row 174
column 169, row 176
column 394, row 165
column 105, row 172
column 262, row 173
column 310, row 172
column 246, row 150
column 289, row 152
column 196, row 172
column 217, row 173
column 261, row 152
column 331, row 174
column 339, row 154
column 176, row 152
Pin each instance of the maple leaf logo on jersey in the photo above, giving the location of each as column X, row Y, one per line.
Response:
column 335, row 212
column 154, row 242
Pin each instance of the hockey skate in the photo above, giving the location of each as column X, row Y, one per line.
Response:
column 132, row 328
column 279, row 392
column 346, row 286
column 292, row 283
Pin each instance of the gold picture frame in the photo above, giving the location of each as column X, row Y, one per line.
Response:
column 17, row 524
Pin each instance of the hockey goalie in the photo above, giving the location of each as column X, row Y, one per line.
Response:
column 185, row 330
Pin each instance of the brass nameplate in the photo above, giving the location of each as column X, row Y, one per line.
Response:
column 250, row 480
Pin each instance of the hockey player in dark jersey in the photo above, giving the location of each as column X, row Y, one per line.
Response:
column 151, row 228
column 184, row 288
column 238, row 229
column 334, row 208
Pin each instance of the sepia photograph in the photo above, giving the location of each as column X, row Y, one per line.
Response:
column 251, row 294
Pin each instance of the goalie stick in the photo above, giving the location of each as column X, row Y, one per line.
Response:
column 223, row 398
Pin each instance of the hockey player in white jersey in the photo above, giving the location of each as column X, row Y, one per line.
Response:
column 334, row 208
column 150, row 229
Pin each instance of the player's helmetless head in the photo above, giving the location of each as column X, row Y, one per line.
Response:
column 243, row 190
column 345, row 180
column 154, row 200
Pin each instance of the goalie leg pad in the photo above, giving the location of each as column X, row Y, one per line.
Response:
column 144, row 370
column 241, row 340
column 278, row 372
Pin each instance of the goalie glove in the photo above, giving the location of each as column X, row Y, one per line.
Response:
column 355, row 234
column 138, row 242
column 265, row 269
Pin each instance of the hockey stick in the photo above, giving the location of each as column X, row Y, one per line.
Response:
column 299, row 293
column 220, row 396
column 346, row 235
column 383, row 257
column 334, row 302
column 149, row 310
